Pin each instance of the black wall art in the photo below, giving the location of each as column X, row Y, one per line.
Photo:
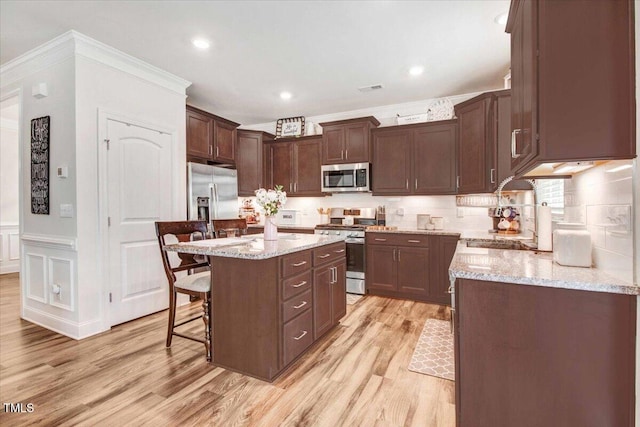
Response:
column 40, row 165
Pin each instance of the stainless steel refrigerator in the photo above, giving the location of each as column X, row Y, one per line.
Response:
column 213, row 192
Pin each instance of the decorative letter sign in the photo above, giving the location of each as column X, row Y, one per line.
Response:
column 40, row 165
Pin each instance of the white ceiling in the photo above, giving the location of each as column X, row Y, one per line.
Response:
column 320, row 51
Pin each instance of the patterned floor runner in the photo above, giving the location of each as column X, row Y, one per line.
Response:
column 434, row 352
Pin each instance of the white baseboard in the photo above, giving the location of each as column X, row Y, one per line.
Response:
column 10, row 267
column 65, row 327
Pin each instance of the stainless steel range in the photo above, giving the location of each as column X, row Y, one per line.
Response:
column 351, row 223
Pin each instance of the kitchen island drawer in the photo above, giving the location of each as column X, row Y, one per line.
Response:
column 398, row 239
column 296, row 305
column 298, row 335
column 328, row 253
column 296, row 263
column 296, row 284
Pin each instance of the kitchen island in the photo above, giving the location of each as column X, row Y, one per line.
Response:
column 271, row 300
column 538, row 344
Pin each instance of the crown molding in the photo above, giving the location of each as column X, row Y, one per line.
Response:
column 73, row 43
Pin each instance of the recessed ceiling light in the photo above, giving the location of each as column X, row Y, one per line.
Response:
column 501, row 19
column 416, row 70
column 201, row 43
column 285, row 95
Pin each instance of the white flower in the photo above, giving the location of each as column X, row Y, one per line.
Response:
column 271, row 200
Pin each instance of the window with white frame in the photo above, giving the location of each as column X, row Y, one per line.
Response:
column 552, row 192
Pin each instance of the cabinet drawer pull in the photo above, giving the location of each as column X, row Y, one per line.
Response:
column 324, row 256
column 301, row 335
column 339, row 251
column 304, row 282
column 413, row 241
column 380, row 240
column 515, row 132
column 302, row 304
column 492, row 175
column 298, row 264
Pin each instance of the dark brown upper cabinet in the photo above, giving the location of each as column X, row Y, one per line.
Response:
column 415, row 159
column 484, row 138
column 476, row 167
column 250, row 161
column 347, row 141
column 572, row 81
column 210, row 138
column 295, row 164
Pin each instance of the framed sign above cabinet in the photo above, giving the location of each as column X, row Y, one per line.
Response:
column 292, row 126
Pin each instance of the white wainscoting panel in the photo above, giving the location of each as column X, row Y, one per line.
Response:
column 61, row 274
column 9, row 249
column 36, row 277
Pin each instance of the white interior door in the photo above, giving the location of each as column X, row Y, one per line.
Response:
column 139, row 193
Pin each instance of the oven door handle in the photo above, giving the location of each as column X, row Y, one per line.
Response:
column 356, row 240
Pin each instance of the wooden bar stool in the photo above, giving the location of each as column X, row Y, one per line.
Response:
column 220, row 227
column 196, row 284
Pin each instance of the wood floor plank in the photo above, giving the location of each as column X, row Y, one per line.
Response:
column 354, row 376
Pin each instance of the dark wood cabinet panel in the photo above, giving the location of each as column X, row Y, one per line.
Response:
column 382, row 270
column 413, row 270
column 199, row 134
column 475, row 162
column 415, row 159
column 295, row 164
column 249, row 161
column 307, row 156
column 391, row 161
column 441, row 256
column 224, row 142
column 347, row 141
column 272, row 310
column 411, row 266
column 210, row 138
column 573, row 81
column 557, row 356
column 280, row 165
column 339, row 292
column 434, row 159
column 333, row 145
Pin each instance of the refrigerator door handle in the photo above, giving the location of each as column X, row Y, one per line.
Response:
column 214, row 200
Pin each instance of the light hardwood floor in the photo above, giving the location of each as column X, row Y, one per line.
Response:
column 356, row 376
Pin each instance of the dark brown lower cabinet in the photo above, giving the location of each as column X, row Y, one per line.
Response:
column 539, row 356
column 264, row 311
column 411, row 266
column 329, row 296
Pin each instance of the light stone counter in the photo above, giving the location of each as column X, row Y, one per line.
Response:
column 417, row 231
column 254, row 246
column 531, row 268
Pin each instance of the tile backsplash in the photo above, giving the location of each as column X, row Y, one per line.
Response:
column 603, row 200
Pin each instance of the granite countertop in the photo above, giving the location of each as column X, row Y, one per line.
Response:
column 417, row 231
column 531, row 268
column 300, row 227
column 254, row 246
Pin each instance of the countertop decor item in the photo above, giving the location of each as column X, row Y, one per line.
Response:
column 271, row 201
column 291, row 126
column 440, row 109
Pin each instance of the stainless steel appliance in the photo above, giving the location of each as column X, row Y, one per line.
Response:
column 213, row 192
column 351, row 223
column 354, row 177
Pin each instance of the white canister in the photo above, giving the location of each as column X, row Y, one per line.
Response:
column 438, row 222
column 423, row 220
column 572, row 248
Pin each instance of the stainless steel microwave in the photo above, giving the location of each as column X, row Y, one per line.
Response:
column 346, row 177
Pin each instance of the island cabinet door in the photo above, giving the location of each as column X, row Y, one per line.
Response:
column 339, row 292
column 322, row 288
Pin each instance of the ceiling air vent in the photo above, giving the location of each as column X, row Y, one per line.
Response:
column 370, row 88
